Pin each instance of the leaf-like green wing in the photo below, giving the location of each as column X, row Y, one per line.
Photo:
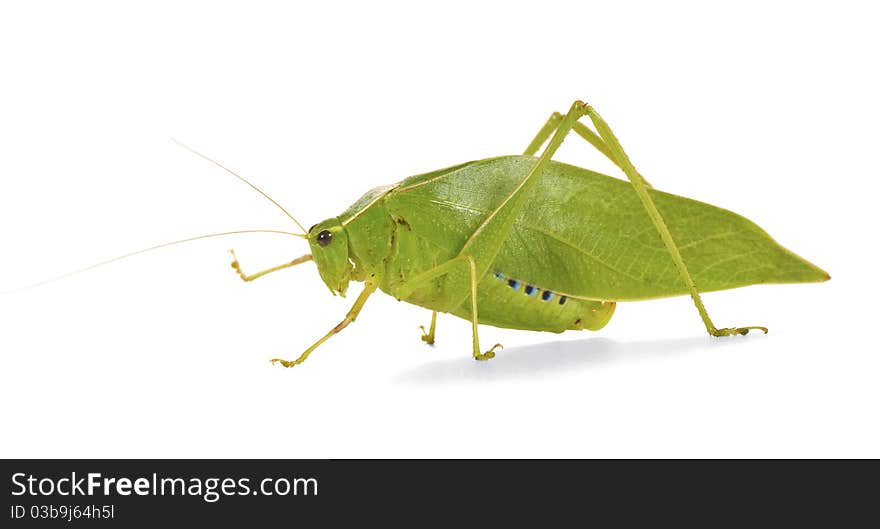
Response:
column 586, row 234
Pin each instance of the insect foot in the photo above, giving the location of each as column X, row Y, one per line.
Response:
column 730, row 331
column 488, row 355
column 287, row 363
column 237, row 267
column 428, row 338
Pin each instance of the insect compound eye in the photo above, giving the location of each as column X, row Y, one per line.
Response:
column 324, row 238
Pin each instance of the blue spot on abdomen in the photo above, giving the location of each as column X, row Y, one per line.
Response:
column 530, row 290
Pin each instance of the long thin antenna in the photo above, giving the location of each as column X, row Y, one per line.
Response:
column 243, row 179
column 145, row 250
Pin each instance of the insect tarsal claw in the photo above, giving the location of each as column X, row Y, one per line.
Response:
column 284, row 363
column 730, row 331
column 235, row 264
column 426, row 337
column 488, row 355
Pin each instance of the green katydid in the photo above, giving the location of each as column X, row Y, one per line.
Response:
column 526, row 242
column 529, row 243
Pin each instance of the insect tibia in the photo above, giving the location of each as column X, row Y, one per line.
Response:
column 246, row 277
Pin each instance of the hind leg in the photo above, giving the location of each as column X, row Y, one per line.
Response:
column 651, row 209
column 584, row 132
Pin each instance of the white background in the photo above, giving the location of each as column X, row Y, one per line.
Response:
column 767, row 108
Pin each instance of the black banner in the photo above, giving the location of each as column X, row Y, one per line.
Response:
column 128, row 493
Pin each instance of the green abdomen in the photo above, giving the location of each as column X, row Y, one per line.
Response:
column 508, row 302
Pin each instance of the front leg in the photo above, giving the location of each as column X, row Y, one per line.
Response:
column 369, row 288
column 250, row 277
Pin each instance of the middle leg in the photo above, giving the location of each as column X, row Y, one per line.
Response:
column 478, row 355
column 453, row 266
column 428, row 336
